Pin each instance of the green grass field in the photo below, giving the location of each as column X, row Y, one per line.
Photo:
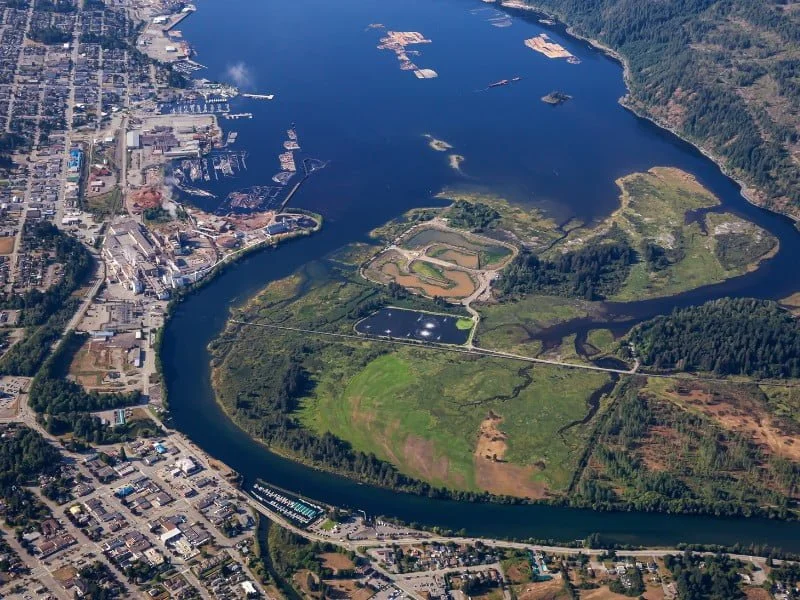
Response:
column 601, row 339
column 654, row 207
column 464, row 324
column 422, row 411
column 107, row 204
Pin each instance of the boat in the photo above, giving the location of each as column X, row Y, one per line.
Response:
column 516, row 79
column 499, row 83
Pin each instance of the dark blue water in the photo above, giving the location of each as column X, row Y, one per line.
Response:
column 413, row 325
column 354, row 107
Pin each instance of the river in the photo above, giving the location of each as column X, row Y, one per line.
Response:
column 352, row 105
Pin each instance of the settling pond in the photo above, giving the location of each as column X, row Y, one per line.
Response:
column 402, row 323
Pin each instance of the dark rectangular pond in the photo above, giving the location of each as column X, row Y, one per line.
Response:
column 402, row 323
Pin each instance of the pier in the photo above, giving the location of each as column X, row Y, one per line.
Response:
column 292, row 192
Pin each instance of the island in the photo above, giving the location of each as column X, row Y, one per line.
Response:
column 555, row 98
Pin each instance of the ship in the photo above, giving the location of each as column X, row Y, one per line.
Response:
column 499, row 83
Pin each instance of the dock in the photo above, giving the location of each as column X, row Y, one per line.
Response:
column 293, row 191
column 246, row 115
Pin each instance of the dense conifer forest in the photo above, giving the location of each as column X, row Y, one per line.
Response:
column 728, row 337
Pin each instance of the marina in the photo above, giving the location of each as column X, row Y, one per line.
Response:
column 244, row 115
column 299, row 512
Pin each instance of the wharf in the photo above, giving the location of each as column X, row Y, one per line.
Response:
column 293, row 192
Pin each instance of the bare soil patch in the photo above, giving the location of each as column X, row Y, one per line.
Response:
column 462, row 287
column 336, row 561
column 652, row 448
column 492, row 473
column 346, row 588
column 545, row 590
column 65, row 573
column 301, row 582
column 792, row 303
column 519, row 572
column 756, row 593
column 420, row 455
column 491, row 441
column 102, row 366
column 141, row 200
column 6, row 244
column 603, row 593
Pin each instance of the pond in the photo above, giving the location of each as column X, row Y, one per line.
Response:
column 416, row 325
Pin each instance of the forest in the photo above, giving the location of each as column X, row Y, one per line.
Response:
column 738, row 336
column 721, row 73
column 593, row 272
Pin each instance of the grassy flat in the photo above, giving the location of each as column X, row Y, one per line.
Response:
column 508, row 326
column 659, row 209
column 424, row 411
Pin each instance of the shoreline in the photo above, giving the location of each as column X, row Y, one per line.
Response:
column 746, row 191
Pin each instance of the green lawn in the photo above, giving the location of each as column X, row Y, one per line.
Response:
column 107, row 204
column 655, row 207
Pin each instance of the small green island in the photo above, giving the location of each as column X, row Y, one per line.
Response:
column 511, row 414
column 555, row 98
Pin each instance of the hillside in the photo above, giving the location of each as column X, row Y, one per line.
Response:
column 725, row 74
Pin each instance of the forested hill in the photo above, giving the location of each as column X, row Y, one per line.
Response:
column 723, row 73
